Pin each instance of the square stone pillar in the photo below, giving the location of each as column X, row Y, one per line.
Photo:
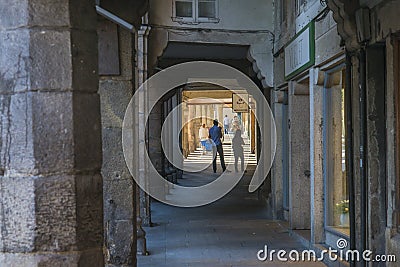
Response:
column 299, row 156
column 50, row 152
column 119, row 186
column 277, row 168
column 317, row 155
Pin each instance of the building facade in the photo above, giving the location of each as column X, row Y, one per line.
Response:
column 335, row 99
column 329, row 69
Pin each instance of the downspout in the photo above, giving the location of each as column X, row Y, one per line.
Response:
column 349, row 151
column 363, row 150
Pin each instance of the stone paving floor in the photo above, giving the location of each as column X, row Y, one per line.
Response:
column 228, row 232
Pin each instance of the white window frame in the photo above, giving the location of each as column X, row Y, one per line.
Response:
column 195, row 19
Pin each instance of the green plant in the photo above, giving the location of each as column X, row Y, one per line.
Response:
column 343, row 206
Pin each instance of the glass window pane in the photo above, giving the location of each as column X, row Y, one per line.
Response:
column 207, row 9
column 184, row 9
column 335, row 137
column 397, row 95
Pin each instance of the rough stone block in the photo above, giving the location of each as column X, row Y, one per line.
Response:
column 84, row 61
column 50, row 60
column 126, row 51
column 17, row 134
column 55, row 210
column 14, row 60
column 79, row 7
column 115, row 97
column 49, row 13
column 13, row 14
column 69, row 212
column 89, row 258
column 89, row 198
column 17, row 214
column 53, row 136
column 118, row 202
column 114, row 166
column 119, row 242
column 62, row 133
column 87, row 131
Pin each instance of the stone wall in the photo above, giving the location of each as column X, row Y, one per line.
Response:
column 51, row 188
column 119, row 187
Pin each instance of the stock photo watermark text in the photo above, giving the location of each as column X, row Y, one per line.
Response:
column 330, row 254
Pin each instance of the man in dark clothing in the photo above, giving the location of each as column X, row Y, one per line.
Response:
column 216, row 135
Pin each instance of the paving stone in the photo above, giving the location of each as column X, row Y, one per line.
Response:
column 228, row 232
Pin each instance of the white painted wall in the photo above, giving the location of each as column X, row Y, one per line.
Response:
column 233, row 15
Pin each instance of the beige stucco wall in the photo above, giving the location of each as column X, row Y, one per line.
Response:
column 233, row 15
column 248, row 23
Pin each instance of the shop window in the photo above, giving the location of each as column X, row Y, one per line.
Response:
column 337, row 197
column 397, row 107
column 195, row 11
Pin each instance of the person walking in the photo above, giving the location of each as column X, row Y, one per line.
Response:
column 203, row 135
column 237, row 146
column 226, row 124
column 215, row 134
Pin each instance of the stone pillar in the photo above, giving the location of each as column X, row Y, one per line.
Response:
column 119, row 187
column 220, row 113
column 210, row 112
column 376, row 138
column 176, row 129
column 51, row 187
column 299, row 156
column 190, row 124
column 317, row 155
column 197, row 113
column 166, row 128
column 204, row 114
column 277, row 168
column 172, row 131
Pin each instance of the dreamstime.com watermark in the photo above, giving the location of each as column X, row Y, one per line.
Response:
column 328, row 254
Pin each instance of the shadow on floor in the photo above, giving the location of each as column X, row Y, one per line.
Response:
column 228, row 232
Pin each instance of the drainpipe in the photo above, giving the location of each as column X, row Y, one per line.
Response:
column 349, row 151
column 363, row 150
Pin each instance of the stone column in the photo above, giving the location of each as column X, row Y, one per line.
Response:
column 299, row 156
column 277, row 168
column 51, row 187
column 190, row 125
column 204, row 114
column 166, row 128
column 210, row 112
column 172, row 131
column 176, row 130
column 317, row 155
column 119, row 187
column 220, row 113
